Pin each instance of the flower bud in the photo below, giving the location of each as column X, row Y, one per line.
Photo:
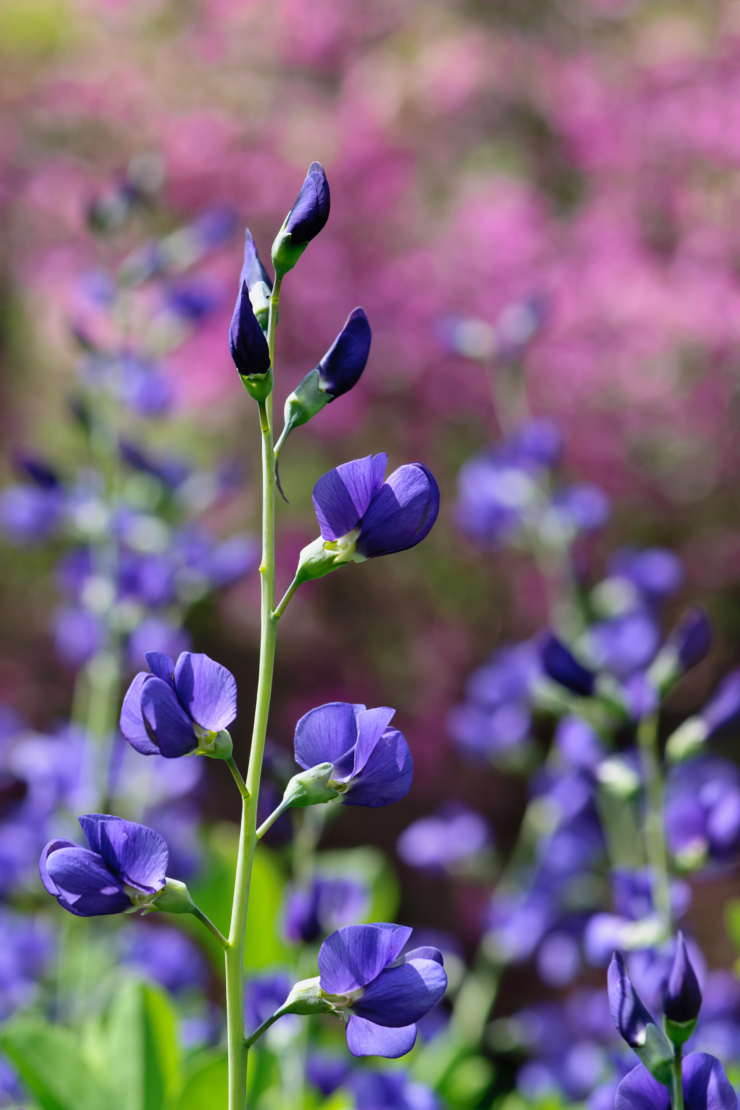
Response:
column 249, row 348
column 304, row 221
column 636, row 1025
column 257, row 280
column 682, row 999
column 562, row 666
column 309, row 788
column 687, row 645
column 339, row 370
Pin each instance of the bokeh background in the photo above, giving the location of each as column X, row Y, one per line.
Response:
column 582, row 156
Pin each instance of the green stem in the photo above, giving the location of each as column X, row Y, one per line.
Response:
column 241, row 784
column 647, row 741
column 266, row 825
column 237, row 1045
column 286, row 598
column 677, row 1081
column 249, row 1041
column 211, row 927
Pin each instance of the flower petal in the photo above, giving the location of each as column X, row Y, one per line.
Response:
column 639, row 1091
column 206, row 690
column 342, row 365
column 247, row 342
column 136, row 854
column 311, row 209
column 161, row 666
column 402, row 512
column 167, row 722
column 403, row 994
column 424, row 953
column 371, row 724
column 132, row 723
column 366, row 1039
column 353, row 956
column 325, row 734
column 341, row 497
column 86, row 886
column 386, row 776
column 705, row 1084
column 46, row 879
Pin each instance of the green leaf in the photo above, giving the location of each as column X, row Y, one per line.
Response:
column 732, row 921
column 207, row 1088
column 143, row 1058
column 50, row 1064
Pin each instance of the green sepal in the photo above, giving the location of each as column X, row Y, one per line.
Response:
column 216, row 745
column 174, row 898
column 258, row 386
column 307, row 997
column 285, row 253
column 309, row 788
column 305, row 401
column 657, row 1055
column 315, row 561
column 679, row 1031
column 259, row 295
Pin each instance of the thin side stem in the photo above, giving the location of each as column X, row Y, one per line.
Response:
column 286, row 598
column 647, row 741
column 677, row 1081
column 241, row 784
column 249, row 1041
column 237, row 1044
column 211, row 927
column 266, row 825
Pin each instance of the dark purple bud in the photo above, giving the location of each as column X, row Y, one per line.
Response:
column 692, row 638
column 342, row 365
column 37, row 469
column 630, row 1017
column 247, row 342
column 724, row 706
column 310, row 212
column 253, row 272
column 682, row 1000
column 563, row 667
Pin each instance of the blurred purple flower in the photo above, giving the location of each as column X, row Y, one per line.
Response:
column 328, row 904
column 441, row 842
column 164, row 955
column 31, row 514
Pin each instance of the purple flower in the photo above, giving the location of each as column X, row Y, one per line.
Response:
column 170, row 710
column 724, row 705
column 327, row 1073
column 391, row 1091
column 155, row 634
column 372, row 764
column 326, row 905
column 31, row 514
column 142, row 388
column 247, row 342
column 692, row 638
column 630, row 1016
column 165, row 955
column 445, row 840
column 682, row 1000
column 78, row 634
column 365, row 516
column 231, row 559
column 655, row 573
column 310, row 212
column 124, row 859
column 562, row 666
column 579, row 743
column 702, row 810
column 705, row 1087
column 493, row 496
column 263, row 996
column 624, row 644
column 585, row 505
column 342, row 365
column 362, row 970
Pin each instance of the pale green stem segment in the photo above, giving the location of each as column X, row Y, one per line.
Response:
column 677, row 1081
column 272, row 819
column 238, row 1045
column 211, row 927
column 647, row 741
column 284, row 603
column 249, row 1041
column 241, row 784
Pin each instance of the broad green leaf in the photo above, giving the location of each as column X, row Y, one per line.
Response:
column 52, row 1067
column 143, row 1057
column 207, row 1088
